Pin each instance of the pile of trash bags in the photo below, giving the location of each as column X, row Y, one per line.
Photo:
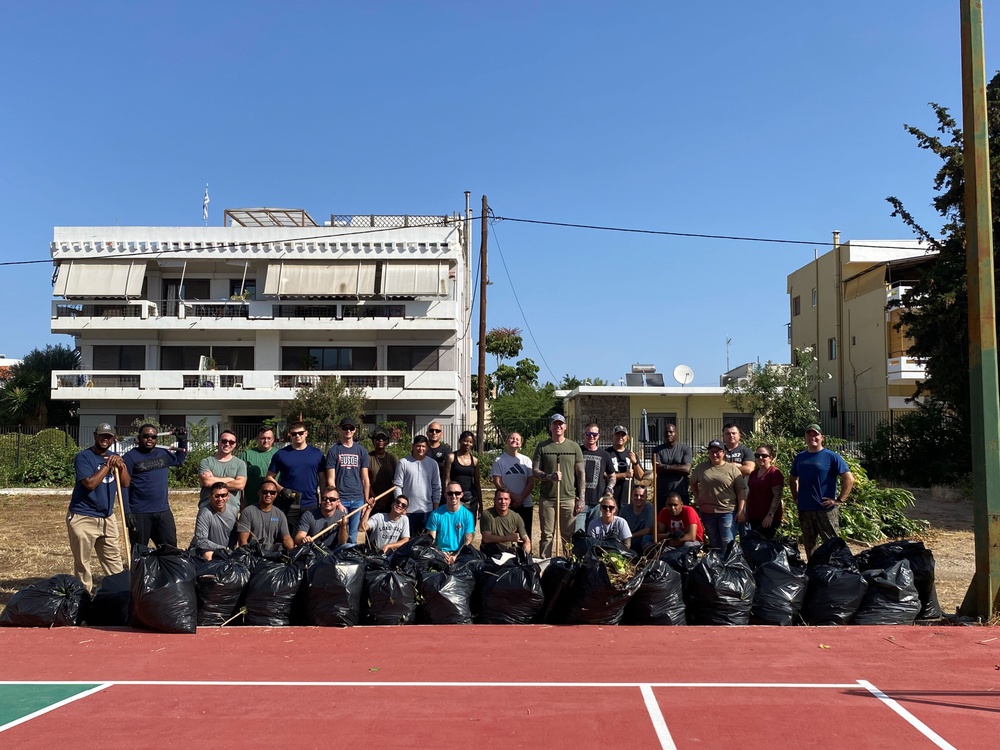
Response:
column 754, row 581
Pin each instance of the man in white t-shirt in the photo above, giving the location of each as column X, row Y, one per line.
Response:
column 386, row 531
column 512, row 471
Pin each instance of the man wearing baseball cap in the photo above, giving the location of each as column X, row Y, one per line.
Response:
column 721, row 493
column 381, row 469
column 347, row 470
column 813, row 484
column 626, row 465
column 91, row 521
column 558, row 463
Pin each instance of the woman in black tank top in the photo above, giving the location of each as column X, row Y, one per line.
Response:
column 463, row 467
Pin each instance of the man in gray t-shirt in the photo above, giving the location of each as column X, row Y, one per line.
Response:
column 387, row 531
column 263, row 522
column 213, row 528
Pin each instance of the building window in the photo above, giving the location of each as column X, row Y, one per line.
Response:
column 122, row 357
column 831, row 349
column 238, row 287
column 854, row 340
column 328, row 358
column 415, row 358
column 814, row 298
column 189, row 357
column 796, row 306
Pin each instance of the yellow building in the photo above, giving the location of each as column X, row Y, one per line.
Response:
column 840, row 307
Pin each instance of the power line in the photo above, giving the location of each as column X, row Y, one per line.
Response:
column 518, row 301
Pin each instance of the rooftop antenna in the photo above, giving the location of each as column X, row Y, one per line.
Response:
column 683, row 374
column 728, row 342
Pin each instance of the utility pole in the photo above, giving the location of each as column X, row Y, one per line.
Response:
column 984, row 391
column 481, row 406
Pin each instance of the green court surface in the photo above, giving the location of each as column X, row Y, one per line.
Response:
column 18, row 701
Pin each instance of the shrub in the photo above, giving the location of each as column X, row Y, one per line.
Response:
column 910, row 448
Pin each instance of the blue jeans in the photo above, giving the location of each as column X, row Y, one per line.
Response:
column 583, row 519
column 354, row 521
column 718, row 529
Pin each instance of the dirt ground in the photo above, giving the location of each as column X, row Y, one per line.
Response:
column 33, row 541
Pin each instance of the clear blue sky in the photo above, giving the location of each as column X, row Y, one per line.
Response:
column 778, row 119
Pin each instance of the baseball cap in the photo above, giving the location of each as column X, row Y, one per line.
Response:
column 715, row 444
column 815, row 428
column 104, row 429
column 619, row 428
column 557, row 418
column 347, row 422
column 379, row 432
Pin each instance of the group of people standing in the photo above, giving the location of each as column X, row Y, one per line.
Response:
column 293, row 495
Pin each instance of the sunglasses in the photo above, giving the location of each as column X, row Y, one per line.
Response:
column 454, row 494
column 398, row 504
column 269, row 492
column 220, row 497
column 147, row 435
column 297, row 433
column 761, row 455
column 227, row 442
column 380, row 437
column 330, row 499
column 591, row 434
column 607, row 507
column 348, row 428
column 434, row 430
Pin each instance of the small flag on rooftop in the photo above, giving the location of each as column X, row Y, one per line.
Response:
column 204, row 206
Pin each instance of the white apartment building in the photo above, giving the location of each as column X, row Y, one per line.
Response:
column 179, row 324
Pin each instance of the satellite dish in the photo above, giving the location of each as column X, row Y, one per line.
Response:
column 683, row 374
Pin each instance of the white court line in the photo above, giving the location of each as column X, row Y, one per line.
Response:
column 666, row 741
column 910, row 718
column 54, row 706
column 375, row 683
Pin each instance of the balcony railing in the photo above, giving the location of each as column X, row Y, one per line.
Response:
column 905, row 368
column 81, row 384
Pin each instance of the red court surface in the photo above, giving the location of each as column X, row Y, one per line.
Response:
column 494, row 686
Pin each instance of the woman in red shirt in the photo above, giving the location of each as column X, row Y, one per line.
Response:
column 764, row 486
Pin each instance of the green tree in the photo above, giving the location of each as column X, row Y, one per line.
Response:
column 323, row 405
column 507, row 377
column 504, row 343
column 26, row 399
column 935, row 315
column 523, row 408
column 781, row 397
column 569, row 382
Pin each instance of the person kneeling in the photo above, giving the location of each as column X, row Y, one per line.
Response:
column 215, row 526
column 503, row 531
column 451, row 525
column 610, row 526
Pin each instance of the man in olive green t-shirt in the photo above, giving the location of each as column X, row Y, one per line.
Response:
column 558, row 462
column 503, row 531
column 258, row 460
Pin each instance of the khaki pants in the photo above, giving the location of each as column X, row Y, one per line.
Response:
column 547, row 524
column 88, row 535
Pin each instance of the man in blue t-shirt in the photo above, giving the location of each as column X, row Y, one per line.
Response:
column 347, row 470
column 91, row 522
column 295, row 469
column 451, row 525
column 813, row 484
column 147, row 511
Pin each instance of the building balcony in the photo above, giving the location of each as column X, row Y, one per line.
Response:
column 905, row 370
column 245, row 385
column 73, row 316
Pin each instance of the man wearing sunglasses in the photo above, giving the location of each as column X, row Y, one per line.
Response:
column 386, row 531
column 296, row 470
column 436, row 450
column 263, row 522
column 147, row 511
column 599, row 474
column 451, row 525
column 223, row 467
column 314, row 521
column 347, row 470
column 214, row 528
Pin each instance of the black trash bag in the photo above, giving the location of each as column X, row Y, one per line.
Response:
column 54, row 602
column 221, row 583
column 921, row 562
column 782, row 582
column 583, row 545
column 721, row 588
column 834, row 552
column 758, row 549
column 511, row 594
column 660, row 598
column 334, row 586
column 557, row 586
column 390, row 592
column 163, row 592
column 109, row 606
column 596, row 599
column 892, row 597
column 445, row 596
column 834, row 594
column 273, row 587
column 683, row 560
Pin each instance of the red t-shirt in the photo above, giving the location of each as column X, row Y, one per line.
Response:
column 682, row 522
column 760, row 493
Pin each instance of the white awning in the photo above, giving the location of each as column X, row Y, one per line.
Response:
column 299, row 279
column 408, row 279
column 118, row 279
